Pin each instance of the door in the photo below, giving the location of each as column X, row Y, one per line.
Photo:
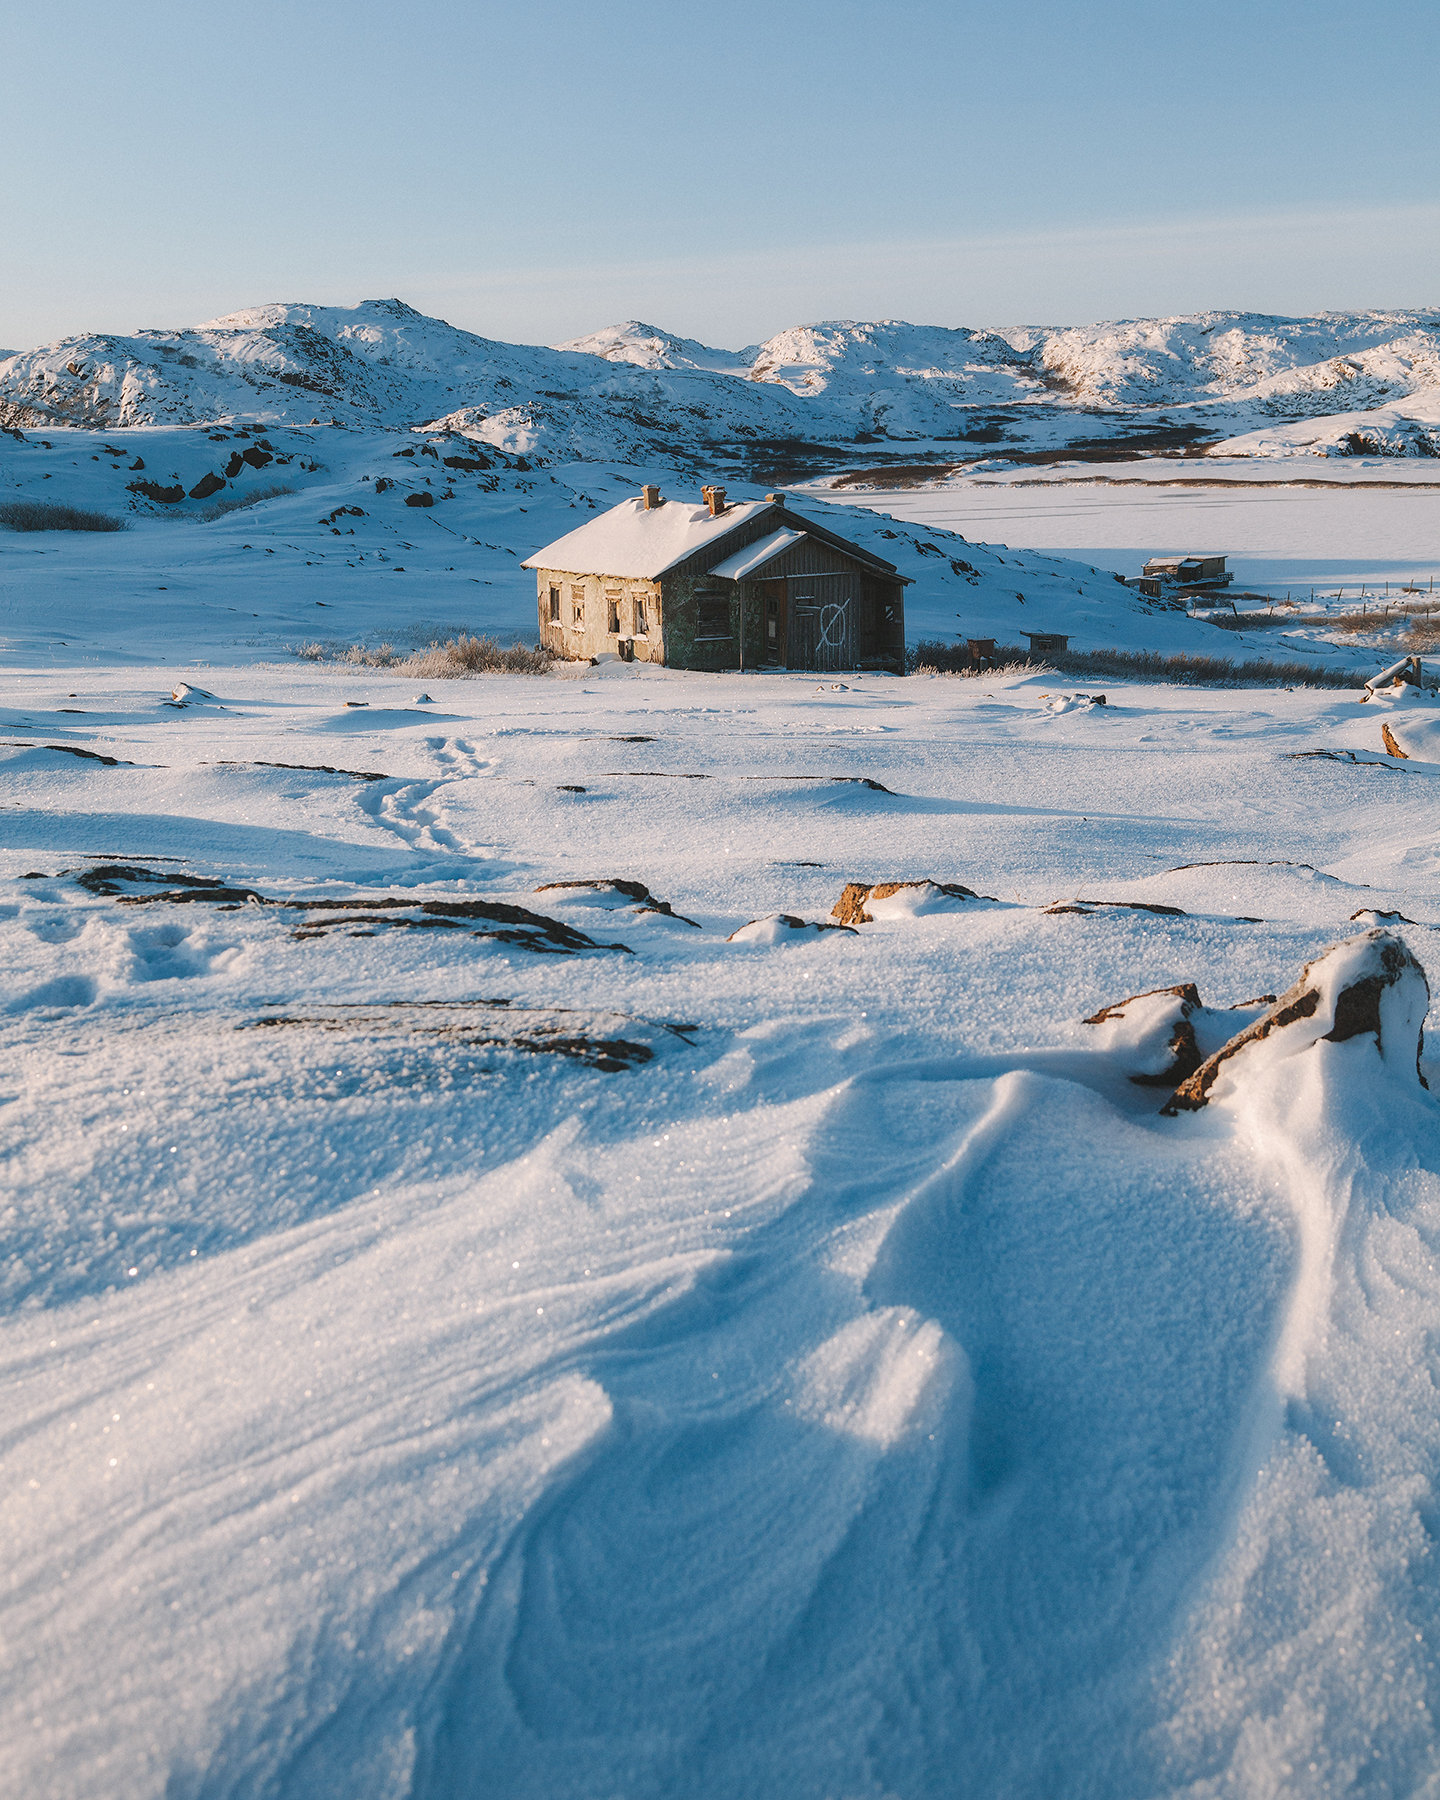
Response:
column 824, row 622
column 775, row 611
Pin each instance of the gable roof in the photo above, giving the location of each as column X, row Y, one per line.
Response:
column 636, row 543
column 631, row 541
column 746, row 561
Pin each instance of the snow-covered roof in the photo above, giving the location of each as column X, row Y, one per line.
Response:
column 633, row 541
column 743, row 562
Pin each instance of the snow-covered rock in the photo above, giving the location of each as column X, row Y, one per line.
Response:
column 1368, row 985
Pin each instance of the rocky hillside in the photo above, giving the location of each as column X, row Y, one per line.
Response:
column 634, row 391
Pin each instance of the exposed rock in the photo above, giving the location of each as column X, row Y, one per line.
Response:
column 420, row 499
column 1160, row 1032
column 139, row 463
column 255, row 456
column 207, row 485
column 165, row 496
column 235, row 464
column 183, row 694
column 635, row 891
column 853, row 906
column 110, row 762
column 1341, row 756
column 1368, row 984
column 1150, row 906
column 130, row 885
column 783, row 928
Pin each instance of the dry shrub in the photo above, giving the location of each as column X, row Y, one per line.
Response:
column 1136, row 665
column 50, row 515
column 460, row 657
column 465, row 655
column 1423, row 636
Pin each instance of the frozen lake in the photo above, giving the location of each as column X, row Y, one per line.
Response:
column 1277, row 538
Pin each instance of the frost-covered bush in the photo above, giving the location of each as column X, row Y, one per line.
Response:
column 50, row 515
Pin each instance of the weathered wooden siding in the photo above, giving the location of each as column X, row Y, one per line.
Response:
column 684, row 647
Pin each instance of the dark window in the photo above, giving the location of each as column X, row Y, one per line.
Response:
column 612, row 614
column 577, row 605
column 555, row 606
column 714, row 616
column 889, row 612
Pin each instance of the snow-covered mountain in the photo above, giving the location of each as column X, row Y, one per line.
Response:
column 634, row 391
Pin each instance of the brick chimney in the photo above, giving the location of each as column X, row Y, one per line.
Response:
column 714, row 498
column 651, row 497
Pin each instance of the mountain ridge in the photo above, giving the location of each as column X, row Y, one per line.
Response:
column 633, row 390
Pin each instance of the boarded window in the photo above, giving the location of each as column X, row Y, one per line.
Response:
column 642, row 616
column 555, row 606
column 612, row 614
column 714, row 616
column 889, row 612
column 577, row 606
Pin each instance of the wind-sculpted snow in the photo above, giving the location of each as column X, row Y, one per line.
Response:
column 633, row 390
column 774, row 1360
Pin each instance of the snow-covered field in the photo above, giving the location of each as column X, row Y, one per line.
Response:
column 465, row 1335
column 521, row 1275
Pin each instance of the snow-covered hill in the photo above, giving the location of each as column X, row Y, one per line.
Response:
column 634, row 391
column 244, row 542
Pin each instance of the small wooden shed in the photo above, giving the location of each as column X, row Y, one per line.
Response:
column 1196, row 570
column 744, row 586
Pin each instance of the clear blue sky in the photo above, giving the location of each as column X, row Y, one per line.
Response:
column 535, row 171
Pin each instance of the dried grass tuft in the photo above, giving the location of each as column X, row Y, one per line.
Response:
column 459, row 658
column 50, row 515
column 1136, row 665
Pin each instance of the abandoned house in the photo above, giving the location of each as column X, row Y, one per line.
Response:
column 715, row 586
column 1188, row 571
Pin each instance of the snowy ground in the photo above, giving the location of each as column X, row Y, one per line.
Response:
column 449, row 1353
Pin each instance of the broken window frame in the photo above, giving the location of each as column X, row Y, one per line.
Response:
column 711, row 601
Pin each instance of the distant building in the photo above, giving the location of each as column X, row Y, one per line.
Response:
column 1188, row 571
column 753, row 585
column 1047, row 643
